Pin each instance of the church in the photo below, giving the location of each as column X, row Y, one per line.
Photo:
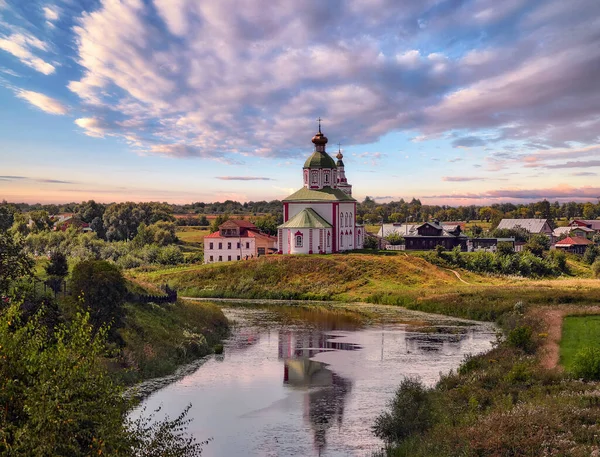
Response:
column 320, row 218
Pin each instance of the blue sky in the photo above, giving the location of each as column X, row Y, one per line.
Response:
column 449, row 101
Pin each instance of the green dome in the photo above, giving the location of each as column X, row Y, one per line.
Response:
column 319, row 160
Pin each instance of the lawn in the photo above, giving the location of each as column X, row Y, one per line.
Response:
column 192, row 235
column 577, row 333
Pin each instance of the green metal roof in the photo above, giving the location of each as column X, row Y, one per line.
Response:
column 327, row 194
column 319, row 160
column 307, row 218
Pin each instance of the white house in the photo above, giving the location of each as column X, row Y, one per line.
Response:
column 320, row 217
column 237, row 240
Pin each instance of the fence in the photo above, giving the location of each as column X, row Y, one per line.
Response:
column 397, row 247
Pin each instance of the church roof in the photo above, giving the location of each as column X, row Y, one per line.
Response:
column 307, row 218
column 319, row 160
column 327, row 194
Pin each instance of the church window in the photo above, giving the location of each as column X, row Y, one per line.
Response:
column 298, row 241
column 342, row 239
column 327, row 178
column 346, row 225
column 341, row 220
column 328, row 239
column 351, row 221
column 315, row 177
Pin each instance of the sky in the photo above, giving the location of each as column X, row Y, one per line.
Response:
column 454, row 102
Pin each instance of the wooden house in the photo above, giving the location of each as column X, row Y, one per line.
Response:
column 431, row 234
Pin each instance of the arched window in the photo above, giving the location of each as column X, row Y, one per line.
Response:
column 298, row 241
column 341, row 219
column 342, row 239
column 351, row 221
column 346, row 220
column 315, row 177
column 328, row 239
column 326, row 178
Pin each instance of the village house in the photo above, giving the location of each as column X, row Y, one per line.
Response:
column 533, row 226
column 431, row 234
column 237, row 240
column 320, row 218
column 575, row 244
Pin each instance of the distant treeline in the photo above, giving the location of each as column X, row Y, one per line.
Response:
column 368, row 211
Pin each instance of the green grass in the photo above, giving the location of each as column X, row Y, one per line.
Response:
column 192, row 235
column 578, row 332
column 159, row 338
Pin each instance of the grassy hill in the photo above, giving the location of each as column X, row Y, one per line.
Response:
column 397, row 279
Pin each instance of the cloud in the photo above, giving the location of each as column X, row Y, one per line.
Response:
column 38, row 180
column 21, row 46
column 468, row 142
column 51, row 13
column 584, row 173
column 220, row 79
column 43, row 102
column 461, row 178
column 572, row 164
column 563, row 192
column 243, row 178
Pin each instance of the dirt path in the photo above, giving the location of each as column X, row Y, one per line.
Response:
column 553, row 318
column 458, row 276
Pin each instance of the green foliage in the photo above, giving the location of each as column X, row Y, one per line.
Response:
column 56, row 397
column 102, row 288
column 14, row 263
column 586, row 364
column 596, row 268
column 395, row 239
column 371, row 242
column 220, row 219
column 268, row 223
column 591, row 253
column 518, row 233
column 505, row 248
column 170, row 255
column 410, row 413
column 58, row 265
column 521, row 338
column 121, row 220
column 537, row 244
column 7, row 212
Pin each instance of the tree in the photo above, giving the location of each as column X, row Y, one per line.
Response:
column 57, row 270
column 56, row 397
column 40, row 221
column 14, row 263
column 537, row 244
column 371, row 242
column 395, row 239
column 267, row 223
column 203, row 221
column 90, row 210
column 102, row 288
column 220, row 219
column 7, row 215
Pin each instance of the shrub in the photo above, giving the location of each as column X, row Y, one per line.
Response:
column 411, row 413
column 590, row 254
column 170, row 255
column 103, row 289
column 521, row 337
column 586, row 364
column 596, row 268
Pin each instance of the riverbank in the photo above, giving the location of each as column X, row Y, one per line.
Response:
column 514, row 400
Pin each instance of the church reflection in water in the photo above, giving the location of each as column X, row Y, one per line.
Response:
column 324, row 391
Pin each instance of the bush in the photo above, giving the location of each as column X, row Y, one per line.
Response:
column 411, row 413
column 586, row 364
column 591, row 253
column 170, row 255
column 596, row 268
column 103, row 289
column 521, row 337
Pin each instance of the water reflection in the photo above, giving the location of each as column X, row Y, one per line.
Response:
column 324, row 391
column 291, row 384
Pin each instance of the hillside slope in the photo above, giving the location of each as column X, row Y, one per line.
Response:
column 306, row 277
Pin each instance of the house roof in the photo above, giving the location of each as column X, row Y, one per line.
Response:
column 319, row 160
column 558, row 231
column 531, row 225
column 264, row 236
column 307, row 218
column 400, row 229
column 244, row 233
column 574, row 241
column 327, row 194
column 592, row 223
column 240, row 223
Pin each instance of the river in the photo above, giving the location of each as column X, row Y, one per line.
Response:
column 300, row 382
